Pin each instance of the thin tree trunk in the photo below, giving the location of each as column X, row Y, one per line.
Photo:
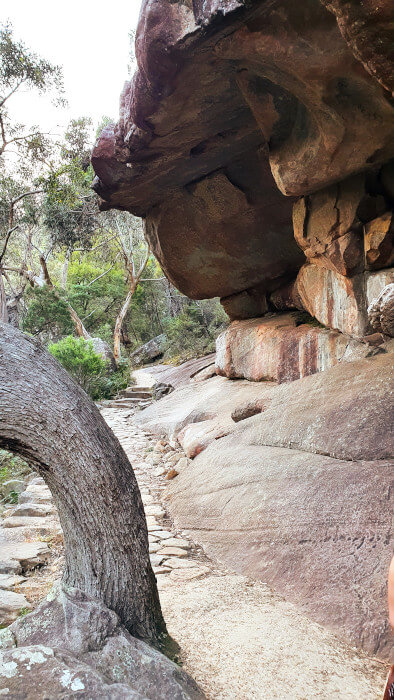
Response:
column 3, row 302
column 48, row 419
column 65, row 268
column 119, row 322
column 134, row 282
column 79, row 327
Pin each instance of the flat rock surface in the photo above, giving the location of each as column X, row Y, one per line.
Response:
column 345, row 412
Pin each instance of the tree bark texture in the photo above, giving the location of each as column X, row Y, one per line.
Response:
column 48, row 419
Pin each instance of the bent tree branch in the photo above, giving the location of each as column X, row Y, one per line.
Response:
column 48, row 419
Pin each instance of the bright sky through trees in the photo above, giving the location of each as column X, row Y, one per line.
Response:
column 89, row 38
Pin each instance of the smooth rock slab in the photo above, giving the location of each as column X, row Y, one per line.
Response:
column 286, row 517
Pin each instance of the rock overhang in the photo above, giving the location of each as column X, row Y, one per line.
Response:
column 236, row 109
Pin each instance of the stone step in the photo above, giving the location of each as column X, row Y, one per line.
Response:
column 127, row 403
column 138, row 387
column 133, row 394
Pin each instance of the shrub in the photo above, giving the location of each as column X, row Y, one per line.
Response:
column 88, row 368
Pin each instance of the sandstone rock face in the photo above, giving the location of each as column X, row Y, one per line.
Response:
column 376, row 282
column 247, row 304
column 327, row 228
column 336, row 301
column 276, row 348
column 275, row 498
column 340, row 412
column 347, row 227
column 379, row 242
column 236, row 104
column 182, row 374
column 283, row 516
column 381, row 311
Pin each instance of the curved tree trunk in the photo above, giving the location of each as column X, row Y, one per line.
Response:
column 48, row 419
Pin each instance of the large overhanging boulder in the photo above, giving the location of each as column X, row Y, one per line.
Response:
column 237, row 108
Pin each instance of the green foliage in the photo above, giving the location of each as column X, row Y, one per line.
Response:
column 20, row 68
column 13, row 497
column 46, row 315
column 19, row 65
column 77, row 146
column 99, row 300
column 12, row 466
column 70, row 209
column 87, row 367
column 194, row 330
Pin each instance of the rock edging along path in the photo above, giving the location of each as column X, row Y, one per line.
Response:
column 238, row 639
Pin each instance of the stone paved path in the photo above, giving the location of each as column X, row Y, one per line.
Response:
column 172, row 555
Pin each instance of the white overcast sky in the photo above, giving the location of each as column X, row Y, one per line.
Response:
column 89, row 38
